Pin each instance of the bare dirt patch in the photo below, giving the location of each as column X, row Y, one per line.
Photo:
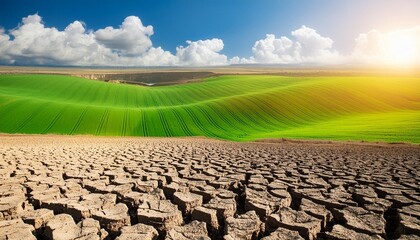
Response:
column 152, row 78
column 196, row 188
column 177, row 75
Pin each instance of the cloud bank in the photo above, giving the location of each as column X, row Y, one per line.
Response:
column 396, row 47
column 32, row 43
column 129, row 45
column 306, row 47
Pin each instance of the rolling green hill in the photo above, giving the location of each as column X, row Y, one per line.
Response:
column 230, row 107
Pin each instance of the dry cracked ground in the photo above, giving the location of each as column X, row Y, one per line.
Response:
column 56, row 187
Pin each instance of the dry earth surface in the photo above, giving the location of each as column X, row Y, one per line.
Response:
column 61, row 187
column 158, row 75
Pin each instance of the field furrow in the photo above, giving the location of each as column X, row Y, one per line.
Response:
column 79, row 121
column 104, row 119
column 143, row 124
column 30, row 116
column 205, row 129
column 182, row 123
column 54, row 121
column 166, row 127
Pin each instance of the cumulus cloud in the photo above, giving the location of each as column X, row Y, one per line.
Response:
column 33, row 43
column 132, row 38
column 306, row 47
column 395, row 47
column 202, row 52
column 370, row 43
column 4, row 46
column 128, row 45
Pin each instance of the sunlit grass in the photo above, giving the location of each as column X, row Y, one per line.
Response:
column 230, row 107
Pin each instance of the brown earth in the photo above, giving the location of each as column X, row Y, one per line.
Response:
column 150, row 78
column 80, row 187
column 180, row 75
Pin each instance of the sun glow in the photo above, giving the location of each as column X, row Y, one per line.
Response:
column 401, row 49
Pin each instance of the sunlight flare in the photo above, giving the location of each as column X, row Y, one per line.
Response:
column 401, row 49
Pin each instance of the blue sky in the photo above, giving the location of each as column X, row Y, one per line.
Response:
column 239, row 23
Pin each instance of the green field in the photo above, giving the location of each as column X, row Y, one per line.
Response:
column 230, row 107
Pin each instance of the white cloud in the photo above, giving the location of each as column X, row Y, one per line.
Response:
column 202, row 53
column 370, row 43
column 131, row 39
column 33, row 43
column 129, row 45
column 275, row 50
column 4, row 46
column 396, row 47
column 312, row 46
column 306, row 47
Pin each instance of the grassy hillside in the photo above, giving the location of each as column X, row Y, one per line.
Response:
column 229, row 107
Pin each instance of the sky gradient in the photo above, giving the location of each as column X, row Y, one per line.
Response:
column 238, row 23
